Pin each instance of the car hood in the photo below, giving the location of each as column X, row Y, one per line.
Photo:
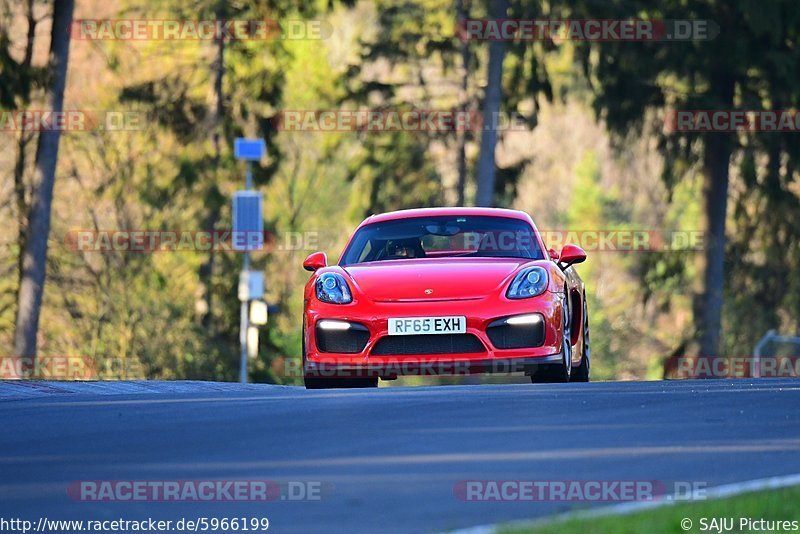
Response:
column 428, row 279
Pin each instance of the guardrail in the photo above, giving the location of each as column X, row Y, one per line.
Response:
column 770, row 337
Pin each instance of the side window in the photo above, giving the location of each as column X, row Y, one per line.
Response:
column 365, row 252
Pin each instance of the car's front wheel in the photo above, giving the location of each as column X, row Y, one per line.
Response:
column 558, row 372
column 581, row 373
column 325, row 382
column 331, row 383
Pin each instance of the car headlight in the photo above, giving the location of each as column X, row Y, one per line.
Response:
column 331, row 287
column 528, row 283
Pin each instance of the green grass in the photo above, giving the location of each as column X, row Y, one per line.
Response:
column 772, row 505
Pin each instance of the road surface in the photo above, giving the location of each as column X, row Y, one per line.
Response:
column 385, row 460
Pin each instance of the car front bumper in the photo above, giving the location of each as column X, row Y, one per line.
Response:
column 432, row 354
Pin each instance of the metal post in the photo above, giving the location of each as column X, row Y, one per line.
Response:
column 243, row 325
column 248, row 181
column 244, row 322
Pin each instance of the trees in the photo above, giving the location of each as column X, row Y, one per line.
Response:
column 34, row 254
column 631, row 78
column 176, row 172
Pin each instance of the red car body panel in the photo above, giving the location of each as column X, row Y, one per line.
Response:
column 442, row 286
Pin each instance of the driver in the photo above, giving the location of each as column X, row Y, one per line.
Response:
column 404, row 248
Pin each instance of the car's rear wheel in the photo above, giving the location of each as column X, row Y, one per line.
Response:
column 581, row 373
column 558, row 372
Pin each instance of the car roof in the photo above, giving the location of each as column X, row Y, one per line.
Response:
column 447, row 212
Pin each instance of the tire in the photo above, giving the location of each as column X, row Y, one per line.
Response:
column 316, row 382
column 581, row 373
column 558, row 372
column 339, row 383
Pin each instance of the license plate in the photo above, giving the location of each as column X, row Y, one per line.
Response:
column 407, row 326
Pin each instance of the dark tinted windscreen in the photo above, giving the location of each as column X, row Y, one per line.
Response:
column 436, row 237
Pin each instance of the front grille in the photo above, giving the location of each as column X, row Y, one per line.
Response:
column 350, row 341
column 428, row 344
column 520, row 336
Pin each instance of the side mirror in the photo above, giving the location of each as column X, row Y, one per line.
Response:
column 315, row 261
column 572, row 254
column 553, row 254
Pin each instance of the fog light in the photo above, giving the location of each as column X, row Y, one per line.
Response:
column 524, row 319
column 329, row 324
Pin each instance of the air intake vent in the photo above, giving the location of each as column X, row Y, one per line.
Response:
column 516, row 336
column 350, row 341
column 428, row 344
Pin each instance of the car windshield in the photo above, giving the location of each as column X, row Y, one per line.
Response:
column 437, row 237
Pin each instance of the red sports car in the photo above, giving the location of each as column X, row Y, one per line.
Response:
column 445, row 291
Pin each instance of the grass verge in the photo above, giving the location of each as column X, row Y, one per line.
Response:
column 772, row 506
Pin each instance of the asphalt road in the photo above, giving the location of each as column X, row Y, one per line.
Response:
column 388, row 459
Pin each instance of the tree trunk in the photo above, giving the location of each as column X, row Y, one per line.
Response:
column 491, row 109
column 716, row 163
column 208, row 267
column 29, row 300
column 461, row 10
column 20, row 191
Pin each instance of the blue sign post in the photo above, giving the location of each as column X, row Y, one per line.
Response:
column 249, row 149
column 248, row 234
column 248, row 221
